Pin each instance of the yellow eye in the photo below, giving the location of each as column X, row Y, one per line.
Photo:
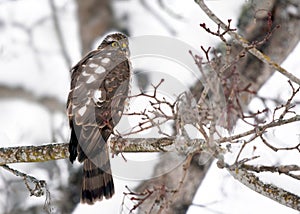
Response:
column 124, row 45
column 114, row 44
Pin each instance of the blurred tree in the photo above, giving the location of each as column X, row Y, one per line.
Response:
column 95, row 19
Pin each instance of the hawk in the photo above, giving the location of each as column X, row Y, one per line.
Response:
column 99, row 88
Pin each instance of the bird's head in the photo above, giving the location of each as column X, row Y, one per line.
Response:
column 116, row 41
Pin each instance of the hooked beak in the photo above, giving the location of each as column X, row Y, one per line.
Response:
column 125, row 49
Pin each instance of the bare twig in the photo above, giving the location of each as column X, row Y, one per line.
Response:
column 136, row 198
column 168, row 10
column 263, row 127
column 282, row 169
column 39, row 189
column 39, row 184
column 160, row 196
column 158, row 17
column 154, row 116
column 245, row 44
column 218, row 33
column 288, row 105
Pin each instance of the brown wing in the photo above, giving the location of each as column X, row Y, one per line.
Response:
column 97, row 96
column 99, row 89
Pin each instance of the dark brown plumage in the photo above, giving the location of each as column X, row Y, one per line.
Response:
column 99, row 88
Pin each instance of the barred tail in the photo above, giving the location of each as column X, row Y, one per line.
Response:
column 97, row 180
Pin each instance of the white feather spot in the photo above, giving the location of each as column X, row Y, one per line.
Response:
column 110, row 39
column 88, row 101
column 91, row 79
column 105, row 60
column 84, row 73
column 98, row 96
column 120, row 113
column 82, row 110
column 93, row 65
column 108, row 54
column 100, row 69
column 76, row 87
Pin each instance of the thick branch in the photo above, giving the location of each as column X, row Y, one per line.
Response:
column 60, row 150
column 33, row 153
column 271, row 191
column 142, row 145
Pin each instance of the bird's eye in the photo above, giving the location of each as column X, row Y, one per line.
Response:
column 114, row 44
column 124, row 45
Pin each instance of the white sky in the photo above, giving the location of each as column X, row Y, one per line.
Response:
column 45, row 73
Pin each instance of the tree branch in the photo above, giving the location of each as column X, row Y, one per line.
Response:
column 34, row 153
column 246, row 44
column 49, row 102
column 269, row 190
column 58, row 151
column 272, row 124
column 59, row 34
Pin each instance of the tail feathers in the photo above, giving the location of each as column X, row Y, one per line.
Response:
column 73, row 144
column 97, row 182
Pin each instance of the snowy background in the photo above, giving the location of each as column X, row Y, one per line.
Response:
column 30, row 59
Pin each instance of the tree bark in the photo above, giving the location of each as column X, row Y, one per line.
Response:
column 95, row 19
